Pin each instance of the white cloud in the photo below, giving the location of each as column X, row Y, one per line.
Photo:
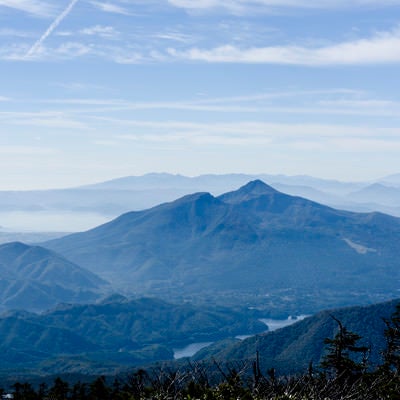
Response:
column 14, row 33
column 244, row 6
column 13, row 52
column 72, row 50
column 110, row 8
column 35, row 7
column 281, row 137
column 174, row 36
column 379, row 49
column 343, row 102
column 78, row 86
column 125, row 57
column 278, row 131
column 42, row 119
column 107, row 32
column 64, row 33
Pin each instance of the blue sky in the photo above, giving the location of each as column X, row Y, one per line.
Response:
column 96, row 89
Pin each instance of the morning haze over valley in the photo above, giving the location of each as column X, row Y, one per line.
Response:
column 199, row 199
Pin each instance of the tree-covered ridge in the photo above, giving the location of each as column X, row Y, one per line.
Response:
column 291, row 349
column 113, row 334
column 340, row 376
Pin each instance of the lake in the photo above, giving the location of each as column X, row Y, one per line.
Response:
column 190, row 350
column 272, row 324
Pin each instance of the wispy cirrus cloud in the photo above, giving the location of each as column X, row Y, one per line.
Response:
column 107, row 32
column 34, row 7
column 72, row 50
column 244, row 6
column 101, row 31
column 275, row 131
column 77, row 86
column 110, row 8
column 378, row 49
column 174, row 36
column 340, row 101
column 48, row 119
column 306, row 137
column 14, row 33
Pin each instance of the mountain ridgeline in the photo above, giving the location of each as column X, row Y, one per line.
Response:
column 250, row 243
column 34, row 278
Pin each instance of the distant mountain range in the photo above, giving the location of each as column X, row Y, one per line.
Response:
column 115, row 333
column 34, row 278
column 28, row 237
column 253, row 243
column 109, row 199
column 377, row 193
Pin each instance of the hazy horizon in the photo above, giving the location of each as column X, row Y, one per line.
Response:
column 83, row 207
column 160, row 173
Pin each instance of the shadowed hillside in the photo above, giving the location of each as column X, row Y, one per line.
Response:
column 292, row 349
column 114, row 333
column 34, row 278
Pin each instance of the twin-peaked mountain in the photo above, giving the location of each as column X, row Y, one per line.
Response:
column 34, row 278
column 254, row 240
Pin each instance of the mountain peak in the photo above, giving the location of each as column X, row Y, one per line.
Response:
column 249, row 191
column 15, row 245
column 9, row 251
column 257, row 187
column 113, row 298
column 199, row 197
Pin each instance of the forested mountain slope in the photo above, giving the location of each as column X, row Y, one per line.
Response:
column 114, row 333
column 34, row 278
column 293, row 348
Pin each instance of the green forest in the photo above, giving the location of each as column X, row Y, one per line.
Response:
column 344, row 373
